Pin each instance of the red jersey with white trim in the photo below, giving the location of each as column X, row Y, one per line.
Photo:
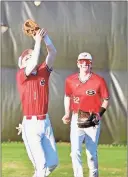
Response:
column 86, row 96
column 34, row 90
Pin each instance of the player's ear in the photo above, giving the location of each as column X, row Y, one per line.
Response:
column 78, row 65
column 91, row 67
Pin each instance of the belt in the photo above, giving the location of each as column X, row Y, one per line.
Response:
column 38, row 117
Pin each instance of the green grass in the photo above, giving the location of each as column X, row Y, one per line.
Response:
column 15, row 163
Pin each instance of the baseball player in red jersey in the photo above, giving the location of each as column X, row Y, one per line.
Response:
column 85, row 91
column 32, row 81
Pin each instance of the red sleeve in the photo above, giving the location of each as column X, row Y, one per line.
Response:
column 68, row 90
column 21, row 77
column 104, row 90
column 44, row 67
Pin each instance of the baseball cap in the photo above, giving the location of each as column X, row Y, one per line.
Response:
column 84, row 55
column 24, row 53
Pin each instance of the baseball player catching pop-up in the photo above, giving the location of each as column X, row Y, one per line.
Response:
column 32, row 81
column 86, row 95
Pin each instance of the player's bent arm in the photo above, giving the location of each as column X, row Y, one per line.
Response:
column 33, row 62
column 51, row 51
column 67, row 105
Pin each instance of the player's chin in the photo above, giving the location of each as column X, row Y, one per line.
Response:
column 22, row 67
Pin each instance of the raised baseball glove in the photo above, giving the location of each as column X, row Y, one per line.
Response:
column 86, row 119
column 30, row 27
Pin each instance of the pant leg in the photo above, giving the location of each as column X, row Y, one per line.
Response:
column 91, row 142
column 27, row 147
column 49, row 145
column 32, row 133
column 77, row 136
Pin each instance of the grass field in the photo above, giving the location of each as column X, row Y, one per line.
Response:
column 15, row 163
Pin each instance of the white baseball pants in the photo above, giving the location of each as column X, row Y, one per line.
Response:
column 90, row 136
column 40, row 145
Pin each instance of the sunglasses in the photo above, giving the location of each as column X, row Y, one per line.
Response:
column 81, row 61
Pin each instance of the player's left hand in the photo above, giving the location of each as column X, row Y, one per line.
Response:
column 19, row 129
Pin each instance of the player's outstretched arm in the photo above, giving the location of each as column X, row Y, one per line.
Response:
column 33, row 61
column 51, row 51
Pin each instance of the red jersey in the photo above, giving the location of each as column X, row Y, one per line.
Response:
column 34, row 90
column 86, row 96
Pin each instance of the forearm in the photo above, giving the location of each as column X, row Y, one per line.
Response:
column 103, row 107
column 51, row 51
column 105, row 104
column 33, row 62
column 67, row 104
column 50, row 47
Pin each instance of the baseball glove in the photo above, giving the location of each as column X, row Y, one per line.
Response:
column 85, row 119
column 30, row 28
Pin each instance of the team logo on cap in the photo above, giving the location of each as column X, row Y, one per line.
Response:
column 42, row 82
column 90, row 92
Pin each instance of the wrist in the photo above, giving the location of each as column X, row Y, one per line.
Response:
column 47, row 40
column 67, row 113
column 102, row 111
column 38, row 43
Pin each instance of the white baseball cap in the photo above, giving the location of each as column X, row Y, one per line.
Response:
column 24, row 53
column 84, row 55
